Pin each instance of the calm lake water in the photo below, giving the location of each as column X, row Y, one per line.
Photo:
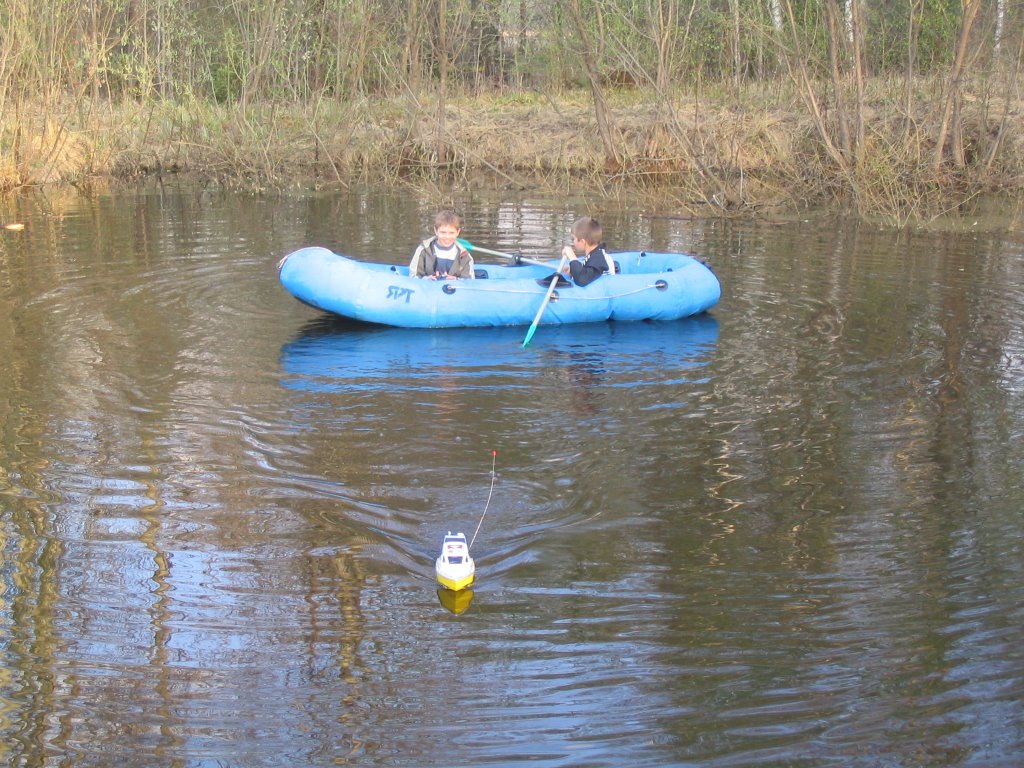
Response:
column 786, row 533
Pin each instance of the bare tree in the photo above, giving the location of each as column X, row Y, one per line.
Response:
column 1011, row 85
column 411, row 47
column 587, row 43
column 802, row 66
column 997, row 40
column 663, row 26
column 915, row 9
column 949, row 128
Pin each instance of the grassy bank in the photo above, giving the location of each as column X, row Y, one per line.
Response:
column 760, row 149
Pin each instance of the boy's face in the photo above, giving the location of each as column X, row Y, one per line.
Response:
column 446, row 235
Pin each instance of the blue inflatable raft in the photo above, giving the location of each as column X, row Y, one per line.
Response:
column 647, row 286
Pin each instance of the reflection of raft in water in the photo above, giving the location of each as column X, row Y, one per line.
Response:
column 454, row 567
column 649, row 286
column 333, row 355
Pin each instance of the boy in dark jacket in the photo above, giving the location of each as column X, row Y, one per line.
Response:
column 586, row 237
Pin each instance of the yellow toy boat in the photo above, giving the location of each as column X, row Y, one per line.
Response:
column 454, row 567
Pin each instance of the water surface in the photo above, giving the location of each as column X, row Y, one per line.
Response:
column 787, row 532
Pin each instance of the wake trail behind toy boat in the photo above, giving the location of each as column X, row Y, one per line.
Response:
column 454, row 568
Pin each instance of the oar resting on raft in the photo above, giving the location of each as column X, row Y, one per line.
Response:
column 517, row 258
column 520, row 260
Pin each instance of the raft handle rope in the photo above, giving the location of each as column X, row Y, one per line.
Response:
column 494, row 460
column 660, row 285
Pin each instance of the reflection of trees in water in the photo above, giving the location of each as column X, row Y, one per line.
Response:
column 348, row 587
column 584, row 373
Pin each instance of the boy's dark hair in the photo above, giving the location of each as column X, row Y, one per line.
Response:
column 448, row 217
column 587, row 229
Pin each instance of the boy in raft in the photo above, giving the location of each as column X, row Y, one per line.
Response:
column 441, row 256
column 586, row 237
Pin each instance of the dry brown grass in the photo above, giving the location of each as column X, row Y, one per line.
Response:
column 732, row 154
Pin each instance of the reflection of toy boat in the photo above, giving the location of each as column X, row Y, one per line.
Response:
column 456, row 602
column 648, row 286
column 454, row 567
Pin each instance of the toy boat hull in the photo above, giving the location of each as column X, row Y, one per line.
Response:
column 456, row 581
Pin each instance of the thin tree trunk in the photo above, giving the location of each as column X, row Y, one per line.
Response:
column 411, row 49
column 912, row 27
column 997, row 41
column 663, row 21
column 950, row 114
column 835, row 49
column 857, row 53
column 443, row 58
column 1011, row 85
column 737, row 53
column 586, row 42
column 797, row 65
